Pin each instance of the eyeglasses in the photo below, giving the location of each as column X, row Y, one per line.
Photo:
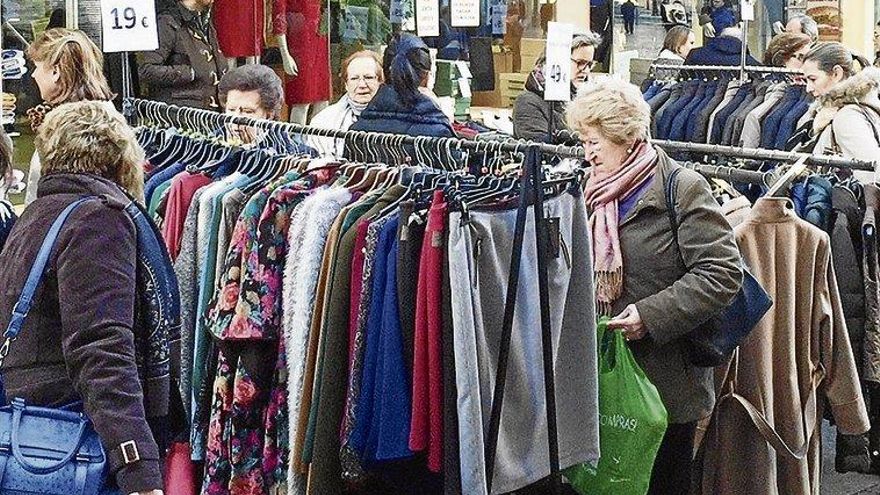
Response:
column 583, row 64
column 369, row 79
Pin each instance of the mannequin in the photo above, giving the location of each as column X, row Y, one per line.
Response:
column 302, row 43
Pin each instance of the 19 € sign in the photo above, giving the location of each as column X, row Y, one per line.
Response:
column 557, row 68
column 129, row 25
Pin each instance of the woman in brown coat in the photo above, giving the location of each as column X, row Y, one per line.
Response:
column 659, row 289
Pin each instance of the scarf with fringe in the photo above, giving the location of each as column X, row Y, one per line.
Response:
column 603, row 192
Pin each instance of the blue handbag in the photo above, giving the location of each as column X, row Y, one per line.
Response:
column 713, row 342
column 45, row 450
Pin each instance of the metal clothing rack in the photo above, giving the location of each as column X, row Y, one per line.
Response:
column 728, row 68
column 532, row 194
column 208, row 122
column 764, row 154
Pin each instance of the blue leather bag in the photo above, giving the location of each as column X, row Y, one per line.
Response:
column 45, row 450
column 713, row 342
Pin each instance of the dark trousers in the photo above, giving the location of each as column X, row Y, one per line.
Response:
column 672, row 468
column 629, row 25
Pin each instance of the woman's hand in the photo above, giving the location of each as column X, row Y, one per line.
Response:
column 630, row 323
column 151, row 492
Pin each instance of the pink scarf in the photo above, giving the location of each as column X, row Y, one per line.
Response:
column 603, row 191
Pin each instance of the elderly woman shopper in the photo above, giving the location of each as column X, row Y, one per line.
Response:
column 80, row 339
column 846, row 114
column 68, row 67
column 660, row 286
column 537, row 120
column 787, row 50
column 362, row 75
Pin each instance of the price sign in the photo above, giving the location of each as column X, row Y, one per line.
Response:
column 129, row 26
column 428, row 17
column 747, row 10
column 557, row 69
column 465, row 13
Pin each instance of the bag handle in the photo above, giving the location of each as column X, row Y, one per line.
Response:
column 26, row 299
column 18, row 410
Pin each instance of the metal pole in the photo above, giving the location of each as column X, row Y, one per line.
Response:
column 745, row 49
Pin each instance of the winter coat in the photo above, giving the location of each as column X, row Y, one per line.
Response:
column 846, row 120
column 187, row 67
column 532, row 115
column 675, row 287
column 80, row 339
column 723, row 50
column 389, row 113
column 797, row 359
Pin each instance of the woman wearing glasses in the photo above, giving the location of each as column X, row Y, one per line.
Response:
column 537, row 120
column 362, row 75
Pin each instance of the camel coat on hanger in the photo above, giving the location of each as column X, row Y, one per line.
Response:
column 795, row 361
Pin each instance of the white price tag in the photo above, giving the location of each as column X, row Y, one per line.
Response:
column 465, row 13
column 464, row 87
column 463, row 69
column 129, row 26
column 747, row 10
column 428, row 17
column 557, row 69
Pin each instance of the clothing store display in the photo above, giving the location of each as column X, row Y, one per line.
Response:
column 723, row 110
column 822, row 365
column 309, row 45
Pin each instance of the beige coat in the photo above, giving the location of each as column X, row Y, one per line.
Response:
column 797, row 357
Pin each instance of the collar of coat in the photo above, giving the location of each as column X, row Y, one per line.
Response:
column 860, row 88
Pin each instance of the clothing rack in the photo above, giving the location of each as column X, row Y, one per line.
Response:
column 730, row 174
column 727, row 68
column 532, row 194
column 763, row 154
column 208, row 122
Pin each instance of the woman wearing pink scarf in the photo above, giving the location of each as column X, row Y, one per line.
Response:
column 659, row 289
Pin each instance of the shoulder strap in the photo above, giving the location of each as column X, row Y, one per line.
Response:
column 23, row 306
column 671, row 185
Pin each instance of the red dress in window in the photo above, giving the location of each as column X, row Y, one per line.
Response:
column 300, row 20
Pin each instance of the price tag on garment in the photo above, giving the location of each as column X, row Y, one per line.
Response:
column 557, row 69
column 428, row 18
column 465, row 13
column 129, row 26
column 463, row 69
column 499, row 16
column 747, row 10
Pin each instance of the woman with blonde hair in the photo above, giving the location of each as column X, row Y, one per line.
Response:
column 69, row 67
column 82, row 339
column 660, row 286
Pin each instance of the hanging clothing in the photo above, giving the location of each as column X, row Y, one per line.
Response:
column 338, row 116
column 479, row 256
column 240, row 27
column 803, row 339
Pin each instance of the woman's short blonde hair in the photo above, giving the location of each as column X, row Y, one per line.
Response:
column 612, row 106
column 79, row 62
column 88, row 138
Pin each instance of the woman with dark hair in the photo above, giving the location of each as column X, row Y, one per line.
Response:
column 404, row 105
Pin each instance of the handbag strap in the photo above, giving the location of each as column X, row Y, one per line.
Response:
column 671, row 183
column 26, row 299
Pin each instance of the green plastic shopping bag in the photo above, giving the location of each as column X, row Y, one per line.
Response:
column 632, row 421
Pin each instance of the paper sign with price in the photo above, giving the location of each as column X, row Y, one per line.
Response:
column 557, row 70
column 428, row 17
column 129, row 26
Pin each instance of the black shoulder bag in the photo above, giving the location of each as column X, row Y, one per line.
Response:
column 712, row 343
